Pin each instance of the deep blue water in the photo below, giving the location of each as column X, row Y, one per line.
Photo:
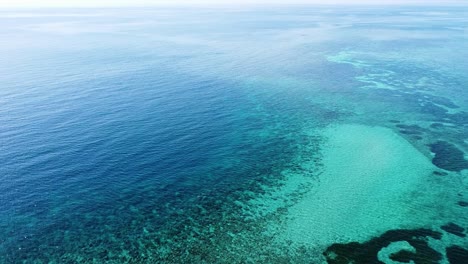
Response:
column 124, row 132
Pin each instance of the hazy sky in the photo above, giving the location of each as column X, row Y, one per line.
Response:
column 97, row 3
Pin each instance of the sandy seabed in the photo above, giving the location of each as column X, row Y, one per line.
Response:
column 371, row 183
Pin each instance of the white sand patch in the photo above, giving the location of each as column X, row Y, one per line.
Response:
column 364, row 191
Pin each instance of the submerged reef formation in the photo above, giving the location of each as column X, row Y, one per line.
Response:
column 457, row 255
column 448, row 157
column 368, row 252
column 431, row 118
column 454, row 229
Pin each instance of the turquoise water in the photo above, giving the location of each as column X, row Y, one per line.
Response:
column 234, row 135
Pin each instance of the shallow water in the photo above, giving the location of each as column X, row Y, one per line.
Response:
column 189, row 135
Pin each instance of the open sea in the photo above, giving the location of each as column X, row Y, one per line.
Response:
column 266, row 134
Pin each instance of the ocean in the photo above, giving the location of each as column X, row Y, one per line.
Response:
column 249, row 134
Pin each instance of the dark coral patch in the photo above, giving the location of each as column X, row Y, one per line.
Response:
column 456, row 255
column 355, row 252
column 404, row 256
column 463, row 203
column 448, row 157
column 454, row 229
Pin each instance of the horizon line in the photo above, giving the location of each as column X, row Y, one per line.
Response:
column 129, row 5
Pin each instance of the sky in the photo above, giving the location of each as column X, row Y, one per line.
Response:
column 116, row 3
